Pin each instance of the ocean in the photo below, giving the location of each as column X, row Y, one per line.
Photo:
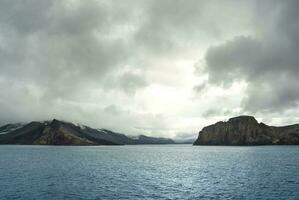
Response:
column 149, row 172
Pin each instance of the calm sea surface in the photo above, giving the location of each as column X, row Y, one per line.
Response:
column 149, row 172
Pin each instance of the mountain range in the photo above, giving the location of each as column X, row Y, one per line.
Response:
column 58, row 132
column 245, row 130
column 242, row 130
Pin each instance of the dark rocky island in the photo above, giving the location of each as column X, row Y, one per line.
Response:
column 57, row 132
column 245, row 130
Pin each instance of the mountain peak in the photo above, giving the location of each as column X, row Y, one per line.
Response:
column 243, row 118
column 55, row 123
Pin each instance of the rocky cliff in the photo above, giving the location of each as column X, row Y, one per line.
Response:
column 245, row 130
column 57, row 132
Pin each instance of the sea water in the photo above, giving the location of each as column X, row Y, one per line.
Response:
column 149, row 172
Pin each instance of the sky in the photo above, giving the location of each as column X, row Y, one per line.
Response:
column 162, row 68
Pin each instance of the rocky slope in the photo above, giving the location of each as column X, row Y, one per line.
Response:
column 57, row 132
column 245, row 130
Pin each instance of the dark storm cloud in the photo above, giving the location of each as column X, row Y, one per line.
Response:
column 267, row 61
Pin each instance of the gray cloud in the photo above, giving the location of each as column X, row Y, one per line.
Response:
column 55, row 56
column 170, row 25
column 213, row 112
column 119, row 64
column 60, row 46
column 267, row 61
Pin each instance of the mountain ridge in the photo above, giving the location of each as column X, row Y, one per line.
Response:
column 57, row 132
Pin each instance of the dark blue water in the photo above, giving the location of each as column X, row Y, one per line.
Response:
column 149, row 172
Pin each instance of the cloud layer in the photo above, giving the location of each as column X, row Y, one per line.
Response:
column 129, row 65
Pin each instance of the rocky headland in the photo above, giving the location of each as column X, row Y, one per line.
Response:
column 245, row 130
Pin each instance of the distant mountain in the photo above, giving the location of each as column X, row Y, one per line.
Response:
column 245, row 130
column 57, row 132
column 185, row 141
column 142, row 139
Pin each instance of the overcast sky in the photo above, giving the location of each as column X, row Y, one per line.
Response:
column 161, row 68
